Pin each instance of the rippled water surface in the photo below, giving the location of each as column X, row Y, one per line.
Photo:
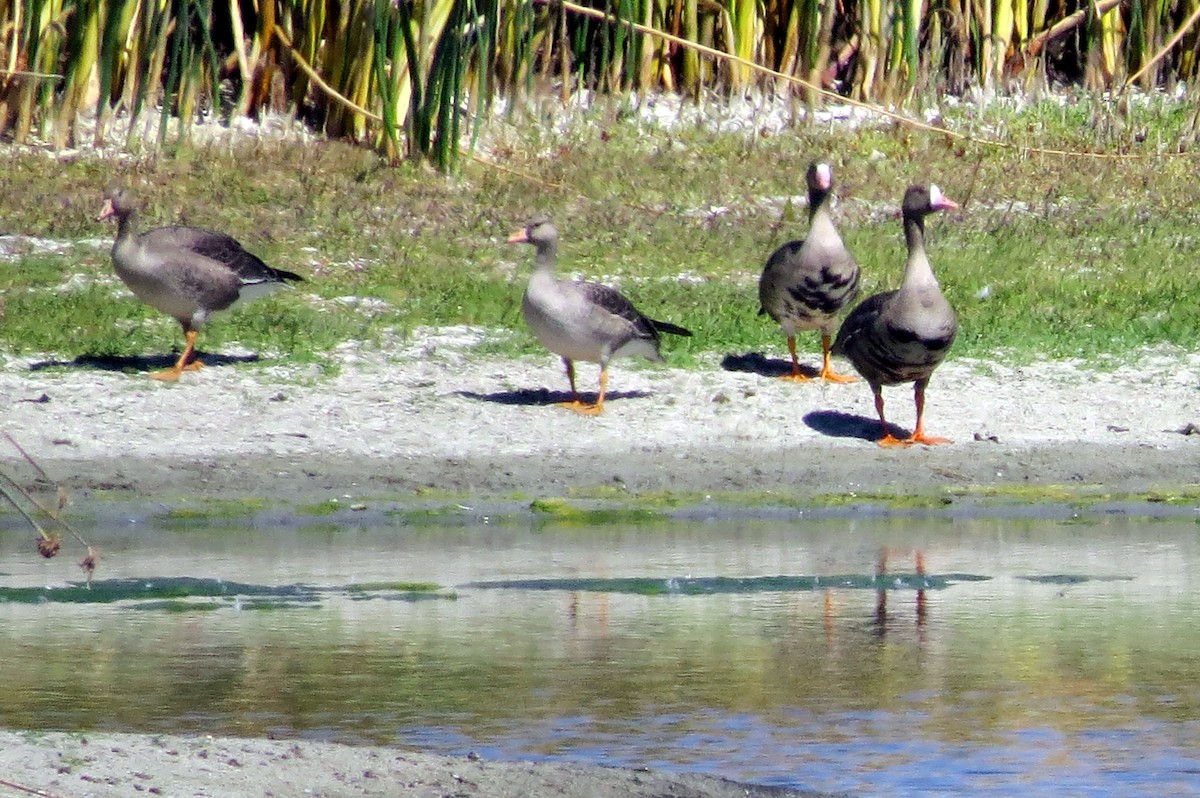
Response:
column 879, row 656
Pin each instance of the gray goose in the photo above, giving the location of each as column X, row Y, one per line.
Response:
column 185, row 272
column 580, row 320
column 903, row 335
column 807, row 283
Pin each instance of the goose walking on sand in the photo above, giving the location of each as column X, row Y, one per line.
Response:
column 580, row 320
column 903, row 335
column 185, row 272
column 807, row 283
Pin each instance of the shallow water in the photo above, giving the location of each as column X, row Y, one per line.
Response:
column 1028, row 655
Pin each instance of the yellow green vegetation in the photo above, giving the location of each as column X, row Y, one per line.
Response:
column 564, row 511
column 393, row 587
column 1051, row 256
column 214, row 509
column 398, row 75
column 328, row 507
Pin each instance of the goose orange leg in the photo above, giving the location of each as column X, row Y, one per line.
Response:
column 577, row 404
column 598, row 408
column 919, row 435
column 827, row 372
column 181, row 365
column 888, row 438
column 796, row 374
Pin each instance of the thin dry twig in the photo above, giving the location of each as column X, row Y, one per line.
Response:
column 49, row 543
column 12, row 785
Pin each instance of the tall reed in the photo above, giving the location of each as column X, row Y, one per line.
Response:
column 403, row 75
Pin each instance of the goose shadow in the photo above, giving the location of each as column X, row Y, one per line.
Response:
column 135, row 363
column 540, row 397
column 763, row 366
column 848, row 425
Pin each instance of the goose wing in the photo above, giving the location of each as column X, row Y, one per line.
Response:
column 612, row 311
column 860, row 322
column 216, row 247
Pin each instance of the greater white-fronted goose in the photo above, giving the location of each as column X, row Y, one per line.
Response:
column 806, row 284
column 903, row 335
column 579, row 320
column 185, row 272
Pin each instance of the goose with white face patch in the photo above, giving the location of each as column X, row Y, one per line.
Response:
column 806, row 284
column 903, row 335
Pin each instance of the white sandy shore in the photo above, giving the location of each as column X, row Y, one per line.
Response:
column 123, row 765
column 432, row 415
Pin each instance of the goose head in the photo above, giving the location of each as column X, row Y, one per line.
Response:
column 819, row 178
column 118, row 202
column 921, row 200
column 538, row 231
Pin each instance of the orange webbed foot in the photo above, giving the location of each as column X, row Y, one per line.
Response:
column 928, row 440
column 829, row 375
column 583, row 408
column 796, row 376
column 175, row 372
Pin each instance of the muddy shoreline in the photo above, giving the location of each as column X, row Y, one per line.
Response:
column 103, row 765
column 698, row 477
column 448, row 424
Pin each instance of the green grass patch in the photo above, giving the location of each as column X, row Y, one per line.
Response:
column 214, row 509
column 1189, row 495
column 107, row 591
column 895, row 501
column 568, row 512
column 395, row 587
column 426, row 516
column 179, row 607
column 1050, row 257
column 328, row 507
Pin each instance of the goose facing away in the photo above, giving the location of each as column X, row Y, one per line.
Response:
column 579, row 320
column 903, row 335
column 807, row 283
column 185, row 272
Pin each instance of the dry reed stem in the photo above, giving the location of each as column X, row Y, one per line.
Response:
column 316, row 78
column 24, row 73
column 1166, row 48
column 875, row 109
column 1067, row 24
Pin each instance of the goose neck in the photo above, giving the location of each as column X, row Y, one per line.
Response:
column 547, row 255
column 127, row 223
column 818, row 204
column 914, row 232
column 917, row 271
